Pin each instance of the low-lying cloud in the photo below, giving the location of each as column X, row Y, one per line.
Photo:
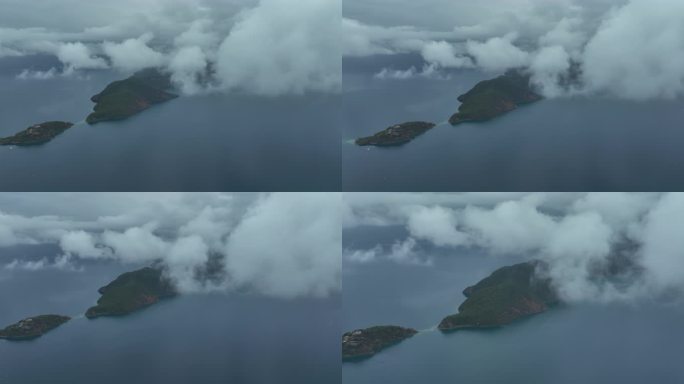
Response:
column 630, row 49
column 283, row 245
column 265, row 47
column 598, row 246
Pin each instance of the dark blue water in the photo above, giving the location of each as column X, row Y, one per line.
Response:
column 577, row 144
column 637, row 343
column 211, row 338
column 203, row 143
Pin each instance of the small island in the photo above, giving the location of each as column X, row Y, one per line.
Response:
column 124, row 98
column 508, row 294
column 131, row 292
column 495, row 97
column 32, row 327
column 397, row 134
column 37, row 134
column 364, row 343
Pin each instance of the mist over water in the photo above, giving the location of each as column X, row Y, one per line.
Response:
column 568, row 144
column 584, row 343
column 208, row 338
column 212, row 142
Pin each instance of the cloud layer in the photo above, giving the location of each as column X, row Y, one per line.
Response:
column 625, row 48
column 266, row 47
column 599, row 246
column 283, row 245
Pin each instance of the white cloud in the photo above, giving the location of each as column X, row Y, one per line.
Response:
column 436, row 224
column 78, row 56
column 283, row 245
column 443, row 54
column 277, row 48
column 363, row 256
column 133, row 54
column 187, row 65
column 302, row 253
column 498, row 53
column 183, row 258
column 598, row 246
column 429, row 71
column 27, row 74
column 638, row 52
column 510, row 227
column 82, row 244
column 630, row 49
column 61, row 262
column 548, row 65
column 404, row 252
column 663, row 252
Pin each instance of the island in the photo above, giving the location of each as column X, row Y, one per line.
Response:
column 37, row 134
column 397, row 134
column 131, row 292
column 32, row 327
column 508, row 294
column 124, row 98
column 364, row 343
column 495, row 97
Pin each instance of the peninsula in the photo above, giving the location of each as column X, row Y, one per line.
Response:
column 495, row 97
column 364, row 343
column 131, row 292
column 397, row 134
column 32, row 327
column 37, row 134
column 508, row 294
column 124, row 98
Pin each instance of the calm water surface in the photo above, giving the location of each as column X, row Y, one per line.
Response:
column 201, row 143
column 192, row 339
column 578, row 144
column 580, row 344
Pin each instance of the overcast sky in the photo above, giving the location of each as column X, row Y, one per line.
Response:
column 280, row 244
column 576, row 233
column 626, row 48
column 267, row 47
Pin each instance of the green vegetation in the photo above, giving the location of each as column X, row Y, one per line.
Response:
column 32, row 327
column 125, row 98
column 396, row 135
column 495, row 97
column 37, row 134
column 364, row 343
column 508, row 294
column 132, row 291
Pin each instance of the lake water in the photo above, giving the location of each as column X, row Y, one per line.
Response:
column 218, row 338
column 586, row 344
column 577, row 144
column 227, row 142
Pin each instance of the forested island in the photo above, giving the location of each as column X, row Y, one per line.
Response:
column 397, row 134
column 125, row 98
column 37, row 134
column 131, row 292
column 488, row 99
column 32, row 327
column 508, row 294
column 491, row 98
column 364, row 343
